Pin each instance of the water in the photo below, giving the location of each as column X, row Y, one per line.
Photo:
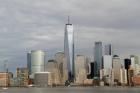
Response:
column 72, row 90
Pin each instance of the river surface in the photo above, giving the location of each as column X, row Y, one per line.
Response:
column 73, row 90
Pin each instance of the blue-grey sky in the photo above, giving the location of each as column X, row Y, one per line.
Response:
column 39, row 24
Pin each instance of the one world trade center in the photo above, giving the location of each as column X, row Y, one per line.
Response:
column 69, row 49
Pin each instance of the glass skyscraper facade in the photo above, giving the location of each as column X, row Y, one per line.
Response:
column 36, row 62
column 107, row 62
column 98, row 58
column 107, row 58
column 69, row 49
column 108, row 49
column 29, row 62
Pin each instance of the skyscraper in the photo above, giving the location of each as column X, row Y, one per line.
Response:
column 98, row 58
column 134, row 60
column 116, row 64
column 127, row 65
column 108, row 49
column 29, row 62
column 69, row 48
column 107, row 62
column 81, row 69
column 91, row 69
column 36, row 62
column 62, row 66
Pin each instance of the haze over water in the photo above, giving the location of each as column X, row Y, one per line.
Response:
column 73, row 90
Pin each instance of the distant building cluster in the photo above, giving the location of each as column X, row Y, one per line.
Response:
column 107, row 69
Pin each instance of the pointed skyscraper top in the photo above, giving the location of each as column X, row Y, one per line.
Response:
column 68, row 21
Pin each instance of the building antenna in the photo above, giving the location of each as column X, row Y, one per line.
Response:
column 68, row 19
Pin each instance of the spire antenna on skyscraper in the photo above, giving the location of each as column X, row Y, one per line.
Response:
column 69, row 49
column 68, row 19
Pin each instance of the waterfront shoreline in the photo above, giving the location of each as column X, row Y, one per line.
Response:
column 77, row 87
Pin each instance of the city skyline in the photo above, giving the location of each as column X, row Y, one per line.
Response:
column 32, row 25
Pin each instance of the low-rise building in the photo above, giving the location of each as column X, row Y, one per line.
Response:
column 43, row 79
column 123, row 76
column 23, row 76
column 136, row 80
column 4, row 79
column 130, row 76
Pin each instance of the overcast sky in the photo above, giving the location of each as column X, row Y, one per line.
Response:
column 39, row 24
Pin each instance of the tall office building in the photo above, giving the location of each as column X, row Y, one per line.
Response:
column 123, row 76
column 36, row 62
column 134, row 61
column 107, row 59
column 62, row 66
column 91, row 69
column 98, row 58
column 116, row 64
column 29, row 62
column 81, row 69
column 53, row 68
column 108, row 49
column 106, row 73
column 107, row 62
column 59, row 58
column 127, row 65
column 69, row 49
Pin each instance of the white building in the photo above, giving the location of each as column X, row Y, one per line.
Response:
column 134, row 60
column 52, row 67
column 123, row 76
column 135, row 65
column 107, row 61
column 116, row 67
column 107, row 75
